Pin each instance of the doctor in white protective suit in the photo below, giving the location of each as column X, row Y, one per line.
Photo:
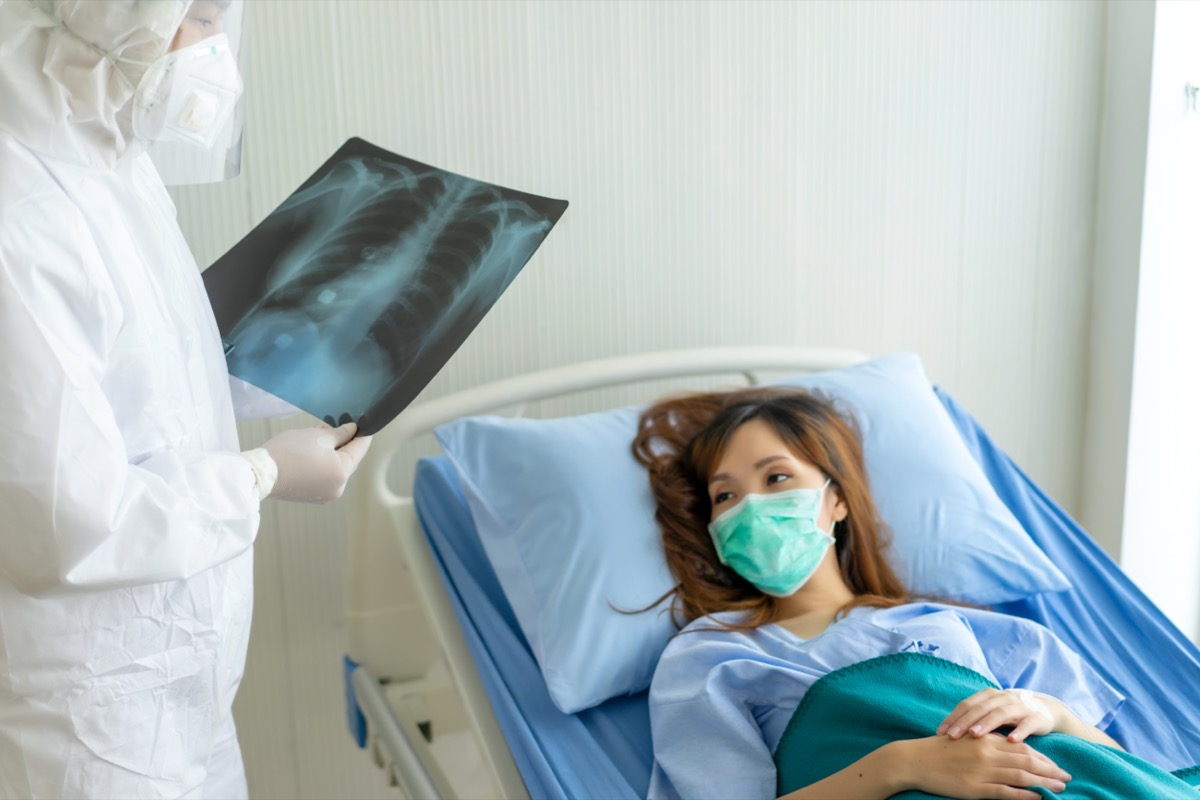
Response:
column 127, row 511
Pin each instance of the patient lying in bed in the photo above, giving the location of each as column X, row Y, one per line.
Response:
column 805, row 669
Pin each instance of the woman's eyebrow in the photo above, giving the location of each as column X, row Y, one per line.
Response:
column 763, row 462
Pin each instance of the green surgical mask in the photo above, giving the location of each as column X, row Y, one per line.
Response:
column 772, row 540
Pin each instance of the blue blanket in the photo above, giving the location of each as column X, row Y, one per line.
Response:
column 857, row 709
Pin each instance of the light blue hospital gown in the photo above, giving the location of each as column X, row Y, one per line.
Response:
column 720, row 700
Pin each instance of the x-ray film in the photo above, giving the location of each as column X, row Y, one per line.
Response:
column 353, row 293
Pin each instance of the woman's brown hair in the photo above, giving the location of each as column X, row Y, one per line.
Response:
column 680, row 441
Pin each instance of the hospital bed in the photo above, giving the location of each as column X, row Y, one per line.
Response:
column 443, row 690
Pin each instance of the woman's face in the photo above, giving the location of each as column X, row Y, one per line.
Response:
column 756, row 461
column 202, row 21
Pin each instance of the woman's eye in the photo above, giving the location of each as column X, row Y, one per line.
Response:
column 777, row 477
column 721, row 497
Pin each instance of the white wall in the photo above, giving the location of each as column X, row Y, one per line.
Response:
column 1141, row 466
column 883, row 176
column 1120, row 197
column 1160, row 548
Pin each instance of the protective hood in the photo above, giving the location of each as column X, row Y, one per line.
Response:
column 71, row 68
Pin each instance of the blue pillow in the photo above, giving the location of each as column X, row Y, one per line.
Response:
column 566, row 517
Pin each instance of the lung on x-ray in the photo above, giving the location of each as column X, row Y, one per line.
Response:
column 354, row 292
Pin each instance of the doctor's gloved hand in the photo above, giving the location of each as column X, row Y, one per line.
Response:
column 313, row 464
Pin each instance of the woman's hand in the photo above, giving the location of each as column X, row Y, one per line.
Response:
column 973, row 768
column 985, row 711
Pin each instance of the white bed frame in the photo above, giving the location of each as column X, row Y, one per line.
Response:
column 416, row 676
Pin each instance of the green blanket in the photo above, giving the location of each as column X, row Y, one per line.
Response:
column 854, row 710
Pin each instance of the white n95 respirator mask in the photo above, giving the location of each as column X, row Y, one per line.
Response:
column 188, row 95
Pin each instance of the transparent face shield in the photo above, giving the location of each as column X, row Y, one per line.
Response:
column 191, row 100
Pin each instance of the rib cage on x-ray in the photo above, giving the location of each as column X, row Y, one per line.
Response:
column 387, row 262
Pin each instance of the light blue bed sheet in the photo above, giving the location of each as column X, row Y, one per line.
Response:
column 606, row 752
column 603, row 752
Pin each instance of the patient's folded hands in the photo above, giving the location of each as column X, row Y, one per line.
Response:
column 1026, row 713
column 984, row 766
column 987, row 710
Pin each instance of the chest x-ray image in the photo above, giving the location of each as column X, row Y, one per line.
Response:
column 350, row 296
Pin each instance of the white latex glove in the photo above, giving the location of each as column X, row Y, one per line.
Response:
column 314, row 464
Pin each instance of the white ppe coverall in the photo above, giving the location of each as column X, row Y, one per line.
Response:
column 127, row 514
